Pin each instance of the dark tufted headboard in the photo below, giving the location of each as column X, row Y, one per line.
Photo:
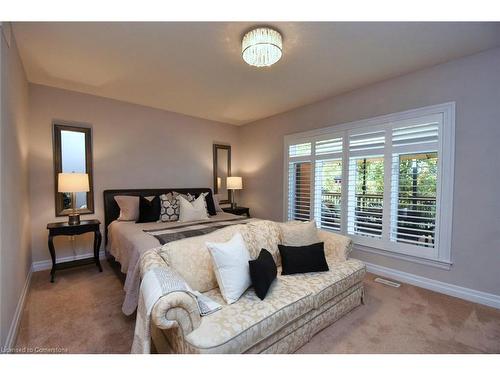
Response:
column 112, row 211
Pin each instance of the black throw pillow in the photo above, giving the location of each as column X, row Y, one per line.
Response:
column 262, row 272
column 302, row 259
column 149, row 211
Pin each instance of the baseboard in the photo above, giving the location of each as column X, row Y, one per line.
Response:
column 472, row 295
column 16, row 319
column 47, row 264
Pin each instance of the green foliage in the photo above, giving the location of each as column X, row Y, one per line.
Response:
column 425, row 168
column 370, row 176
column 331, row 171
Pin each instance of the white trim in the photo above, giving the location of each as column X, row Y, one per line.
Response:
column 472, row 295
column 42, row 265
column 16, row 319
column 445, row 188
column 410, row 258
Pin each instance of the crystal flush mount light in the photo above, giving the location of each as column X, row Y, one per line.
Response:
column 262, row 46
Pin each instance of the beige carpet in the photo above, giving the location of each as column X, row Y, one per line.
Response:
column 80, row 313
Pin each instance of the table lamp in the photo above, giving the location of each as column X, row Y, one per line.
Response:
column 73, row 183
column 234, row 183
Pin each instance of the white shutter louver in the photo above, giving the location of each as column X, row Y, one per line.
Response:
column 299, row 190
column 301, row 149
column 416, row 134
column 328, row 146
column 366, row 143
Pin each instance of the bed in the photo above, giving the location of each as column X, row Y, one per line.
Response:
column 126, row 240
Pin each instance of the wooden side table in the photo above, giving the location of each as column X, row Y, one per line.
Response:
column 237, row 210
column 65, row 229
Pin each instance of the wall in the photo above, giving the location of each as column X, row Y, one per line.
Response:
column 473, row 83
column 134, row 147
column 15, row 226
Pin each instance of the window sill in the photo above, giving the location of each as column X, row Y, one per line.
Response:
column 445, row 265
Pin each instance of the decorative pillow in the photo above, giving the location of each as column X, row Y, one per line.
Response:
column 302, row 259
column 230, row 261
column 170, row 208
column 298, row 233
column 263, row 271
column 149, row 210
column 129, row 207
column 209, row 199
column 265, row 234
column 217, row 203
column 191, row 258
column 192, row 211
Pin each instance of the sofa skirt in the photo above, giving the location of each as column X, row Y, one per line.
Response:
column 292, row 336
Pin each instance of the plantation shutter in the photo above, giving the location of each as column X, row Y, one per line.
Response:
column 414, row 182
column 328, row 183
column 386, row 182
column 299, row 182
column 365, row 197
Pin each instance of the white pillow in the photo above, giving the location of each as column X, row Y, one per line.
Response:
column 192, row 211
column 298, row 233
column 217, row 203
column 129, row 207
column 230, row 260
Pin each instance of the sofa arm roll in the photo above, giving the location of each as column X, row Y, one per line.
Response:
column 176, row 309
column 336, row 246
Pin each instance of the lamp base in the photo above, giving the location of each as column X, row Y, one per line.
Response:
column 74, row 219
column 233, row 199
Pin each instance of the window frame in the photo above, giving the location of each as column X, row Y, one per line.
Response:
column 440, row 255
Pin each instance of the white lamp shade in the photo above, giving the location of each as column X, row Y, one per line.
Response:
column 234, row 183
column 73, row 182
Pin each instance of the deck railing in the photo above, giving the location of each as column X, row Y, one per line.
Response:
column 416, row 215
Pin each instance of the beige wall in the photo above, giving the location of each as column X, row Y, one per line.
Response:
column 15, row 256
column 133, row 146
column 474, row 83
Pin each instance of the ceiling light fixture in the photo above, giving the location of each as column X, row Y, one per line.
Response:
column 262, row 46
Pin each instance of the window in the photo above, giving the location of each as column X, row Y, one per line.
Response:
column 386, row 182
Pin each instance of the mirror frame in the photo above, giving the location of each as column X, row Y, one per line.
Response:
column 57, row 127
column 217, row 147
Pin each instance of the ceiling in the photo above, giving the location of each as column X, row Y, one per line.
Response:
column 195, row 68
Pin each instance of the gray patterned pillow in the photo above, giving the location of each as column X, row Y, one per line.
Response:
column 170, row 208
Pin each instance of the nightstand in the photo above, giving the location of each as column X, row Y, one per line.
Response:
column 65, row 229
column 237, row 210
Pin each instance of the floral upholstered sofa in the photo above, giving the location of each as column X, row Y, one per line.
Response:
column 294, row 310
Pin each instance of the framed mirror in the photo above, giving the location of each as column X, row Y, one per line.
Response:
column 72, row 145
column 222, row 170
